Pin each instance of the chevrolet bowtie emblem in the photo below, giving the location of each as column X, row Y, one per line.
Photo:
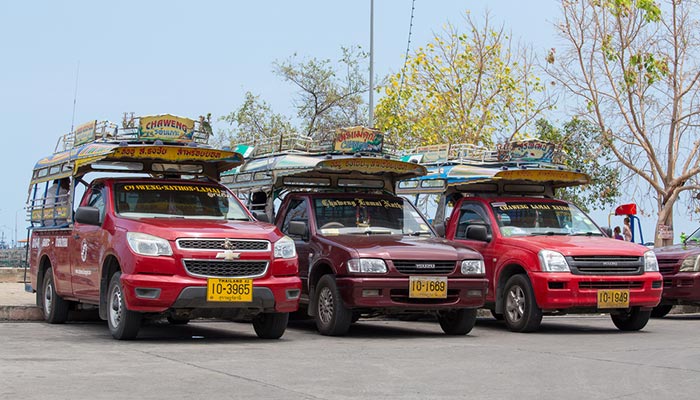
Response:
column 228, row 255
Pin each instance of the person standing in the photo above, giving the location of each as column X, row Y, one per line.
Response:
column 617, row 235
column 627, row 230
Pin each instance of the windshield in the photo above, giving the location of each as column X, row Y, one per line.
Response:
column 367, row 215
column 181, row 200
column 517, row 218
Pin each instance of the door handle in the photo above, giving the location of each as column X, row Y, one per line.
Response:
column 76, row 236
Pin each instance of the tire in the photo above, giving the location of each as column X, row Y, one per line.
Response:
column 270, row 325
column 332, row 317
column 457, row 322
column 661, row 310
column 520, row 310
column 499, row 317
column 632, row 320
column 53, row 307
column 123, row 324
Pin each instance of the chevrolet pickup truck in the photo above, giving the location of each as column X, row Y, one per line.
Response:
column 153, row 236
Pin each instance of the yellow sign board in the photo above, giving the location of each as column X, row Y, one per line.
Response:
column 84, row 133
column 358, row 139
column 169, row 153
column 166, row 127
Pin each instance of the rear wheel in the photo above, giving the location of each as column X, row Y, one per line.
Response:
column 633, row 320
column 270, row 325
column 123, row 324
column 332, row 317
column 457, row 322
column 53, row 307
column 521, row 313
column 661, row 310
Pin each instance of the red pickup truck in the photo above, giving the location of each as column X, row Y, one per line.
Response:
column 680, row 267
column 175, row 244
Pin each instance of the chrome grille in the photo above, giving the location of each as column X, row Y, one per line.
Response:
column 221, row 244
column 223, row 268
column 417, row 267
column 606, row 265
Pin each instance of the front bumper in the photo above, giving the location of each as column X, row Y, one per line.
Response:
column 682, row 288
column 559, row 291
column 270, row 294
column 393, row 294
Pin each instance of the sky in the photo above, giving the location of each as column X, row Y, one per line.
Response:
column 192, row 58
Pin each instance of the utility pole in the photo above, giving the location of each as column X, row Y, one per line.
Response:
column 371, row 64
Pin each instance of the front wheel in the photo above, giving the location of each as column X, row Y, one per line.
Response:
column 661, row 310
column 270, row 325
column 457, row 322
column 53, row 307
column 521, row 313
column 332, row 317
column 632, row 320
column 123, row 324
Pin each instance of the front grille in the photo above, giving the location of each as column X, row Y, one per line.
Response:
column 668, row 266
column 611, row 285
column 402, row 296
column 223, row 268
column 606, row 265
column 223, row 244
column 413, row 267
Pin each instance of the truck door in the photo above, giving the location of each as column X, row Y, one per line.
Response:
column 298, row 211
column 87, row 249
column 473, row 213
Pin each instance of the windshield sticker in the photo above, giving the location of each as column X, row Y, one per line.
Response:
column 530, row 206
column 175, row 188
column 361, row 203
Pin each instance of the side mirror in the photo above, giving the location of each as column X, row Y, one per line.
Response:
column 478, row 232
column 261, row 216
column 88, row 215
column 299, row 228
column 440, row 229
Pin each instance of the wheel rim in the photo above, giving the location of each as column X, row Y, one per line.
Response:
column 115, row 306
column 515, row 303
column 48, row 297
column 325, row 305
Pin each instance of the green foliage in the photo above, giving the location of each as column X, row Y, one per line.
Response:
column 586, row 151
column 252, row 122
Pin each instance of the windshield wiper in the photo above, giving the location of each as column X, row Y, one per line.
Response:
column 586, row 234
column 548, row 233
column 418, row 233
column 374, row 232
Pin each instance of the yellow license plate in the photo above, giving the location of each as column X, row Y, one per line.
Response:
column 618, row 298
column 229, row 289
column 428, row 287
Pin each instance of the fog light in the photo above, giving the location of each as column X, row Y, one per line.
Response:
column 293, row 294
column 147, row 293
column 370, row 292
column 474, row 293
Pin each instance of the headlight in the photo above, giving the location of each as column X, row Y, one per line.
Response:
column 470, row 267
column 148, row 245
column 551, row 261
column 284, row 248
column 650, row 263
column 690, row 264
column 367, row 265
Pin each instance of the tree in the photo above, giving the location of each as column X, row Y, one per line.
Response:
column 638, row 80
column 328, row 98
column 585, row 151
column 462, row 88
column 253, row 122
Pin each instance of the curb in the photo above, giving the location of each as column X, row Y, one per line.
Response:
column 20, row 313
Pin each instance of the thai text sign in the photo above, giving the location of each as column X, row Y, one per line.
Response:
column 166, row 127
column 84, row 133
column 358, row 139
column 171, row 153
column 531, row 150
column 370, row 166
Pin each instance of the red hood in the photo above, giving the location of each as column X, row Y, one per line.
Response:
column 577, row 245
column 677, row 251
column 174, row 228
column 401, row 247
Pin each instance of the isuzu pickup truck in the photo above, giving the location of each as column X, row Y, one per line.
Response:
column 153, row 234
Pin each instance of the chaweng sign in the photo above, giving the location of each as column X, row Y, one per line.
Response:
column 358, row 139
column 166, row 127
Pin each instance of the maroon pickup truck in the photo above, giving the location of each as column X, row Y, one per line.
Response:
column 680, row 267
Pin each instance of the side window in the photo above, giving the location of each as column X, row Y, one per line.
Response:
column 470, row 214
column 296, row 211
column 97, row 200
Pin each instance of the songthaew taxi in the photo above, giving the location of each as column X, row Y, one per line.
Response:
column 131, row 220
column 544, row 256
column 363, row 251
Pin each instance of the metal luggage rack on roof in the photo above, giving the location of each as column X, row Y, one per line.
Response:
column 130, row 132
column 287, row 143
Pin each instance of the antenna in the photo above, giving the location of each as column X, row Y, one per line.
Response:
column 75, row 96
